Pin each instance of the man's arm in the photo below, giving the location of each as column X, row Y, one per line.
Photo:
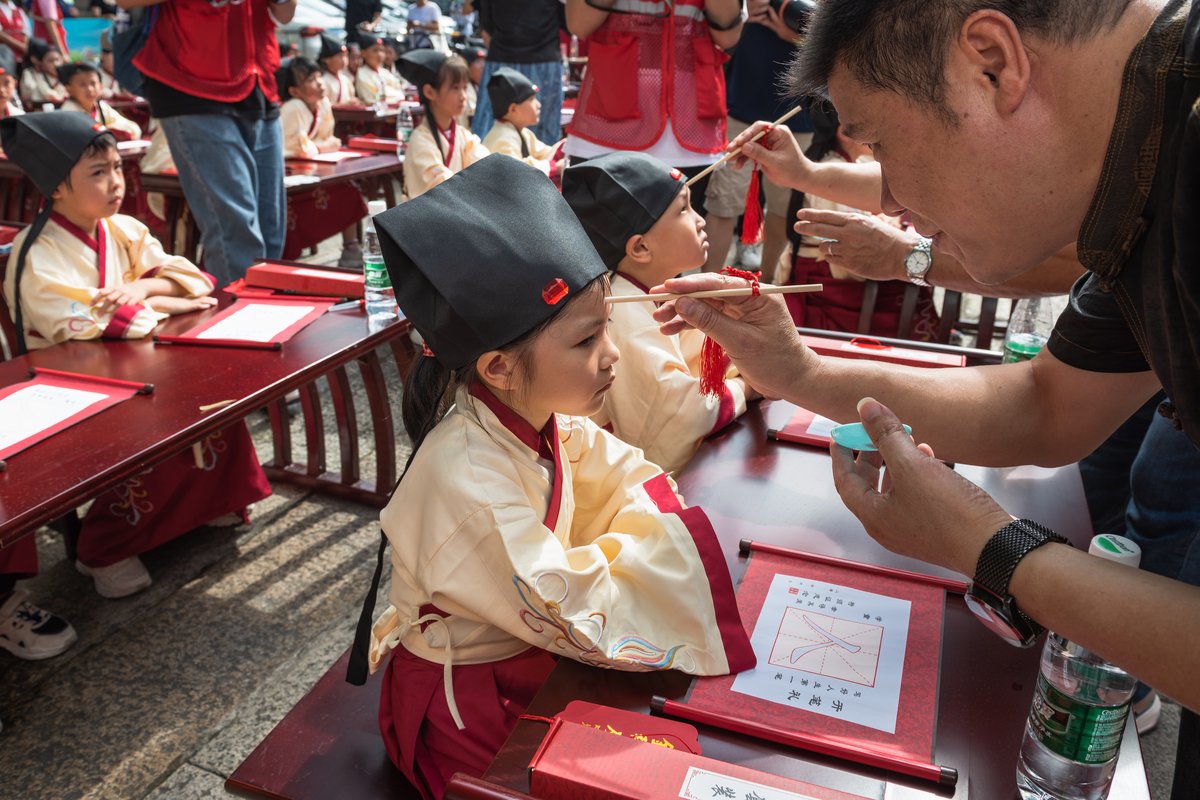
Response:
column 283, row 12
column 724, row 13
column 1140, row 621
column 583, row 19
column 1036, row 412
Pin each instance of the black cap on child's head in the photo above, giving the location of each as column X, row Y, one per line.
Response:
column 507, row 86
column 330, row 46
column 469, row 270
column 367, row 39
column 420, row 67
column 619, row 195
column 47, row 145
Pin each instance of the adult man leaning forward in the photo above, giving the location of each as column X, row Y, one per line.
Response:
column 1009, row 130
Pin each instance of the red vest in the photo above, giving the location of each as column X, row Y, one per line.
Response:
column 644, row 69
column 218, row 52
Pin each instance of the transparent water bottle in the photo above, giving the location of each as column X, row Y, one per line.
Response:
column 404, row 129
column 378, row 294
column 1080, row 706
column 1028, row 329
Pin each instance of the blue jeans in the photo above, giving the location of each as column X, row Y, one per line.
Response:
column 231, row 171
column 1144, row 483
column 547, row 76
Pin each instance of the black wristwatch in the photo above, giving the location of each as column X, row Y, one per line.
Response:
column 988, row 597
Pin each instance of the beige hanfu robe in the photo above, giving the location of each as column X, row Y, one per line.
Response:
column 378, row 86
column 306, row 134
column 506, row 138
column 107, row 116
column 425, row 166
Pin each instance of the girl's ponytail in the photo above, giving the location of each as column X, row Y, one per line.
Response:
column 427, row 396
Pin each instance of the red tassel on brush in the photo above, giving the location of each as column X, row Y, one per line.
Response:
column 714, row 362
column 752, row 218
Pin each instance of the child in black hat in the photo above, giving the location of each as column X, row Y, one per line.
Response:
column 39, row 79
column 85, row 92
column 374, row 83
column 83, row 272
column 515, row 103
column 440, row 146
column 636, row 211
column 339, row 83
column 9, row 105
column 520, row 530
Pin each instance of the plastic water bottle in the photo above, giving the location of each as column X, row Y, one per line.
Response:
column 1028, row 330
column 404, row 129
column 377, row 291
column 1079, row 710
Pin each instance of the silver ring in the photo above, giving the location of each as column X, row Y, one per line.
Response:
column 831, row 244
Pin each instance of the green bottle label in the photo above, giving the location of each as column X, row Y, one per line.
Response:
column 1022, row 347
column 376, row 275
column 1075, row 730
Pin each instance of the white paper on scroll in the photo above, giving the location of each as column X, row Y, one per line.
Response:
column 35, row 408
column 829, row 649
column 257, row 322
column 820, row 426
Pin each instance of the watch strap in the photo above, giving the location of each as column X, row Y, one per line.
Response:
column 925, row 246
column 1003, row 552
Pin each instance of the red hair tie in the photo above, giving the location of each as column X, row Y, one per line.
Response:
column 714, row 363
column 425, row 351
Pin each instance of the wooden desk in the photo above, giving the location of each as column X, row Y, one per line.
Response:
column 61, row 472
column 372, row 173
column 783, row 494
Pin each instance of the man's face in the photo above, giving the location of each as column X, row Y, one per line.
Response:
column 981, row 188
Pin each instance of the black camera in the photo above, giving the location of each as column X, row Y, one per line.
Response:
column 795, row 13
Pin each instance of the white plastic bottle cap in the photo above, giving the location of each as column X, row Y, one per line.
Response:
column 1116, row 548
column 376, row 207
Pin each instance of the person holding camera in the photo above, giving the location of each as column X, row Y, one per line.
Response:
column 767, row 45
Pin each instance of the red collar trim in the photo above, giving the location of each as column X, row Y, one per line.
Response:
column 78, row 232
column 537, row 441
column 643, row 288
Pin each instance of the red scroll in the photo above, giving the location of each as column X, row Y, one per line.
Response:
column 259, row 323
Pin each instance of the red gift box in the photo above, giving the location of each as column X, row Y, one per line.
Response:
column 305, row 280
column 575, row 762
column 373, row 143
column 866, row 347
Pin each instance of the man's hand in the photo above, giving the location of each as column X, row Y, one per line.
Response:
column 761, row 13
column 922, row 508
column 757, row 332
column 782, row 161
column 180, row 305
column 863, row 245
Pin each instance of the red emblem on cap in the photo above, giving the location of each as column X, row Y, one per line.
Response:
column 97, row 127
column 676, row 175
column 554, row 291
column 535, row 88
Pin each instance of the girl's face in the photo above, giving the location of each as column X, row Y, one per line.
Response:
column 50, row 63
column 449, row 99
column 571, row 364
column 336, row 63
column 373, row 55
column 354, row 59
column 8, row 87
column 96, row 187
column 310, row 90
column 525, row 114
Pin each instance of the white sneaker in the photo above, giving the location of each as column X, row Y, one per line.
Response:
column 1146, row 712
column 30, row 632
column 118, row 580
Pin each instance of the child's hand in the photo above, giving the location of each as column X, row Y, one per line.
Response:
column 180, row 305
column 112, row 298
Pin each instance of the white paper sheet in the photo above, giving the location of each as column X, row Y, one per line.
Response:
column 831, row 650
column 820, row 426
column 35, row 408
column 704, row 784
column 257, row 322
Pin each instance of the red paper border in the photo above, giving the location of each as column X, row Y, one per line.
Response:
column 287, row 333
column 916, row 716
column 795, row 430
column 114, row 394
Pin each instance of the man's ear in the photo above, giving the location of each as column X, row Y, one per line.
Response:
column 497, row 369
column 637, row 250
column 990, row 45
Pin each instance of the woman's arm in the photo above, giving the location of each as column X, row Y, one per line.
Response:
column 583, row 19
column 725, row 13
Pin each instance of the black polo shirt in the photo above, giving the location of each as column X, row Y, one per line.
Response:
column 1138, row 307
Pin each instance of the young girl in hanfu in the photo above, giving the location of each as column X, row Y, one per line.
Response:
column 521, row 531
column 439, row 146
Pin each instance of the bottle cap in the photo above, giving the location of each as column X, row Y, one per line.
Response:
column 1116, row 548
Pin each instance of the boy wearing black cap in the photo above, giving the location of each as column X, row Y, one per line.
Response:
column 517, row 108
column 85, row 92
column 439, row 146
column 373, row 83
column 82, row 271
column 636, row 211
column 39, row 79
column 520, row 530
column 339, row 84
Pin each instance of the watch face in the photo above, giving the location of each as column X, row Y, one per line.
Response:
column 917, row 263
column 995, row 621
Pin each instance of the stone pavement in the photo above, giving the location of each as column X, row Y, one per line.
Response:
column 168, row 691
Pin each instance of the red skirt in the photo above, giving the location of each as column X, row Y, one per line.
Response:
column 176, row 496
column 837, row 306
column 414, row 718
column 312, row 217
column 20, row 560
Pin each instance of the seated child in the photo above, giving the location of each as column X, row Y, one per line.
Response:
column 439, row 146
column 9, row 106
column 85, row 93
column 520, row 530
column 476, row 60
column 307, row 120
column 838, row 306
column 637, row 212
column 516, row 106
column 107, row 81
column 339, row 84
column 372, row 83
column 82, row 271
column 39, row 80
